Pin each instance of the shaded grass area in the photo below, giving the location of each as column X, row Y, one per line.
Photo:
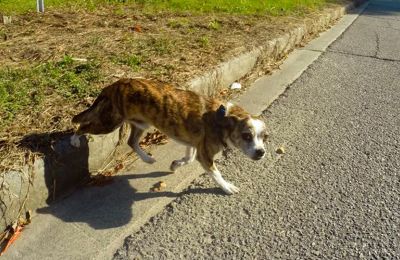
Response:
column 28, row 87
column 270, row 7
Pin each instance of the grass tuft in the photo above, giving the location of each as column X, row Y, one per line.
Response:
column 22, row 88
column 133, row 61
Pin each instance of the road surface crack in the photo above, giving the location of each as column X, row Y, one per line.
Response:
column 360, row 55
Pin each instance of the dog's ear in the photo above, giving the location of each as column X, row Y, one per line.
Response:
column 91, row 112
column 221, row 113
column 223, row 118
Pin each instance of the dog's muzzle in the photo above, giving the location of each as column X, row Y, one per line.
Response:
column 259, row 154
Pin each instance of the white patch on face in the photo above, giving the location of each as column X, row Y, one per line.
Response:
column 259, row 128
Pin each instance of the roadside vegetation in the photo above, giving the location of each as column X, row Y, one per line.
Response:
column 28, row 87
column 271, row 7
column 53, row 65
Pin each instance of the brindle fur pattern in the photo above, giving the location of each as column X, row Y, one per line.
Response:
column 183, row 115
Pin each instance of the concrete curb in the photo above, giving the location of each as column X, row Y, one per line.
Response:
column 52, row 176
column 212, row 82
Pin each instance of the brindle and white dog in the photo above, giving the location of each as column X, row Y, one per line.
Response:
column 205, row 125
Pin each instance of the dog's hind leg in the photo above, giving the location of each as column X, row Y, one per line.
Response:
column 190, row 155
column 133, row 141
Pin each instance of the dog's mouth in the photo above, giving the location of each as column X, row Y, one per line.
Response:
column 257, row 157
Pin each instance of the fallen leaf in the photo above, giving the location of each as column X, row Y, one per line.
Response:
column 118, row 167
column 136, row 28
column 14, row 236
column 159, row 186
column 155, row 137
column 280, row 150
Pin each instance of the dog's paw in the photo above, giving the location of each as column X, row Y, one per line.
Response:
column 175, row 165
column 230, row 189
column 74, row 141
column 148, row 159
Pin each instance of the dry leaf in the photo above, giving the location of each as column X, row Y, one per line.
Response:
column 118, row 167
column 155, row 137
column 280, row 150
column 14, row 236
column 136, row 28
column 159, row 186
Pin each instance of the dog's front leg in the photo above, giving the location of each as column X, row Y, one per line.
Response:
column 190, row 155
column 208, row 164
column 133, row 142
column 228, row 187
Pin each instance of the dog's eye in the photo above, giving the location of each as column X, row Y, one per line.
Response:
column 247, row 136
column 265, row 137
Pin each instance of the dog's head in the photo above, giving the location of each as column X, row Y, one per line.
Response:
column 102, row 117
column 245, row 132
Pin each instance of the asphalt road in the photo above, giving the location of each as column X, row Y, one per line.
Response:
column 334, row 194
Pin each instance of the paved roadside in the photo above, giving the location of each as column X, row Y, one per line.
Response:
column 335, row 194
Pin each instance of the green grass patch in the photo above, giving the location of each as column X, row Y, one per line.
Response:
column 204, row 41
column 159, row 46
column 272, row 7
column 26, row 88
column 132, row 61
column 178, row 23
column 215, row 25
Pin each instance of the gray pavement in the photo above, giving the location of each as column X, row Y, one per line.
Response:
column 334, row 194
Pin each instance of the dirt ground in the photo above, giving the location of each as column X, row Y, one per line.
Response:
column 125, row 43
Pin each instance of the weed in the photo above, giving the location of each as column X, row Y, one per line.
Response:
column 27, row 87
column 119, row 11
column 161, row 46
column 178, row 23
column 204, row 41
column 3, row 35
column 215, row 25
column 132, row 61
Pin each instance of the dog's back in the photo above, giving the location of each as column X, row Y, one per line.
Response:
column 180, row 114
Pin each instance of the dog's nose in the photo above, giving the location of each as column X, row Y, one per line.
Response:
column 260, row 153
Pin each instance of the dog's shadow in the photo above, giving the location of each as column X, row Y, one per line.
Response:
column 112, row 205
column 101, row 207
